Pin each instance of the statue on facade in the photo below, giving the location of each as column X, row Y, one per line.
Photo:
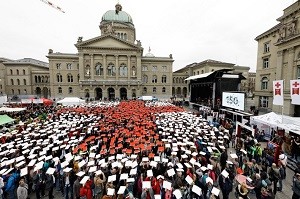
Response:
column 79, row 39
column 292, row 28
column 50, row 51
column 282, row 33
column 110, row 28
column 138, row 43
column 87, row 72
column 133, row 73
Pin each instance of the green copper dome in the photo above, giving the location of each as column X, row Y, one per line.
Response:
column 117, row 16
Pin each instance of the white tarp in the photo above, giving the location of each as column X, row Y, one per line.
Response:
column 3, row 99
column 68, row 101
column 7, row 109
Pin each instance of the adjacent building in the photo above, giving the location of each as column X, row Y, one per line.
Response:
column 278, row 58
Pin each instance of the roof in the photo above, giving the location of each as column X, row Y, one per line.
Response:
column 117, row 16
column 205, row 62
column 29, row 61
column 274, row 28
column 199, row 76
column 4, row 119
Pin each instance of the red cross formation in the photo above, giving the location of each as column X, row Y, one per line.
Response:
column 277, row 84
column 296, row 84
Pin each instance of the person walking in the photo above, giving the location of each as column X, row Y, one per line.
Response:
column 22, row 191
column 296, row 187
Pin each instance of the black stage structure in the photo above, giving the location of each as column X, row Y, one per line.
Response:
column 207, row 88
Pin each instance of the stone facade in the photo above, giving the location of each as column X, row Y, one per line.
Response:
column 278, row 58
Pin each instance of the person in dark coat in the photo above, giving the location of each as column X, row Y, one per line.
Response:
column 223, row 159
column 76, row 189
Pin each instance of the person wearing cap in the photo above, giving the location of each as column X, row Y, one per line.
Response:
column 22, row 191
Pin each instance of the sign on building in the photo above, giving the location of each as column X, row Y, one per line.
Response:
column 233, row 100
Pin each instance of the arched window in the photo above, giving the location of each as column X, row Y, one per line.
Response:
column 18, row 72
column 264, row 83
column 99, row 69
column 18, row 82
column 198, row 72
column 24, row 72
column 122, row 36
column 12, row 82
column 154, row 89
column 111, row 69
column 164, row 79
column 119, row 35
column 154, row 79
column 163, row 89
column 70, row 78
column 19, row 91
column 46, row 79
column 123, row 70
column 173, row 80
column 24, row 81
column 59, row 77
column 36, row 79
column 12, row 91
column 125, row 36
column 70, row 90
column 11, row 71
column 42, row 79
column 202, row 71
column 145, row 90
column 39, row 79
column 212, row 70
column 59, row 90
column 145, row 79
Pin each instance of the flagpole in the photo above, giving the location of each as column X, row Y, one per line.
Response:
column 282, row 108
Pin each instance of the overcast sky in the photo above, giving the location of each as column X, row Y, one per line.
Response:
column 191, row 30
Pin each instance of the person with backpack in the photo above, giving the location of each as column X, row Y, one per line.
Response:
column 226, row 186
column 274, row 176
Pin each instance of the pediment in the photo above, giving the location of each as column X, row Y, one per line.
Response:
column 107, row 41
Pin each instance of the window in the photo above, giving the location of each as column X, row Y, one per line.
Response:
column 145, row 79
column 111, row 70
column 69, row 66
column 59, row 77
column 11, row 72
column 78, row 77
column 194, row 73
column 154, row 90
column 263, row 101
column 212, row 70
column 123, row 70
column 70, row 78
column 145, row 68
column 42, row 79
column 12, row 82
column 266, row 63
column 164, row 79
column 154, row 79
column 264, row 83
column 99, row 69
column 19, row 91
column 164, row 68
column 163, row 89
column 154, row 68
column 173, row 80
column 58, row 66
column 39, row 79
column 12, row 91
column 18, row 72
column 24, row 72
column 25, row 91
column 59, row 90
column 35, row 79
column 145, row 90
column 70, row 90
column 198, row 72
column 125, row 36
column 298, row 72
column 18, row 82
column 24, row 81
column 267, row 47
column 46, row 79
column 202, row 71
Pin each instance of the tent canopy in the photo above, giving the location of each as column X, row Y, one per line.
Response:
column 68, row 101
column 282, row 121
column 4, row 119
column 8, row 109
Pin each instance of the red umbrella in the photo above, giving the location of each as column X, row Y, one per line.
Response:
column 47, row 102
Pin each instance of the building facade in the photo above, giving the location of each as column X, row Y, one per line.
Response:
column 180, row 85
column 111, row 65
column 278, row 58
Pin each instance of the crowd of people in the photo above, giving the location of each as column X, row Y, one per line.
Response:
column 133, row 149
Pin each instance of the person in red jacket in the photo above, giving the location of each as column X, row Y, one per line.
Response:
column 86, row 190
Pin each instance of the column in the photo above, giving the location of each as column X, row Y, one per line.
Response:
column 81, row 75
column 279, row 66
column 138, row 68
column 117, row 67
column 128, row 67
column 290, row 68
column 92, row 67
column 104, row 66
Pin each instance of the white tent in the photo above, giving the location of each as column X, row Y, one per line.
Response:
column 282, row 121
column 68, row 101
column 8, row 109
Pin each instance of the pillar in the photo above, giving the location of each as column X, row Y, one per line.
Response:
column 81, row 74
column 290, row 68
column 279, row 66
column 92, row 66
column 117, row 67
column 104, row 67
column 128, row 67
